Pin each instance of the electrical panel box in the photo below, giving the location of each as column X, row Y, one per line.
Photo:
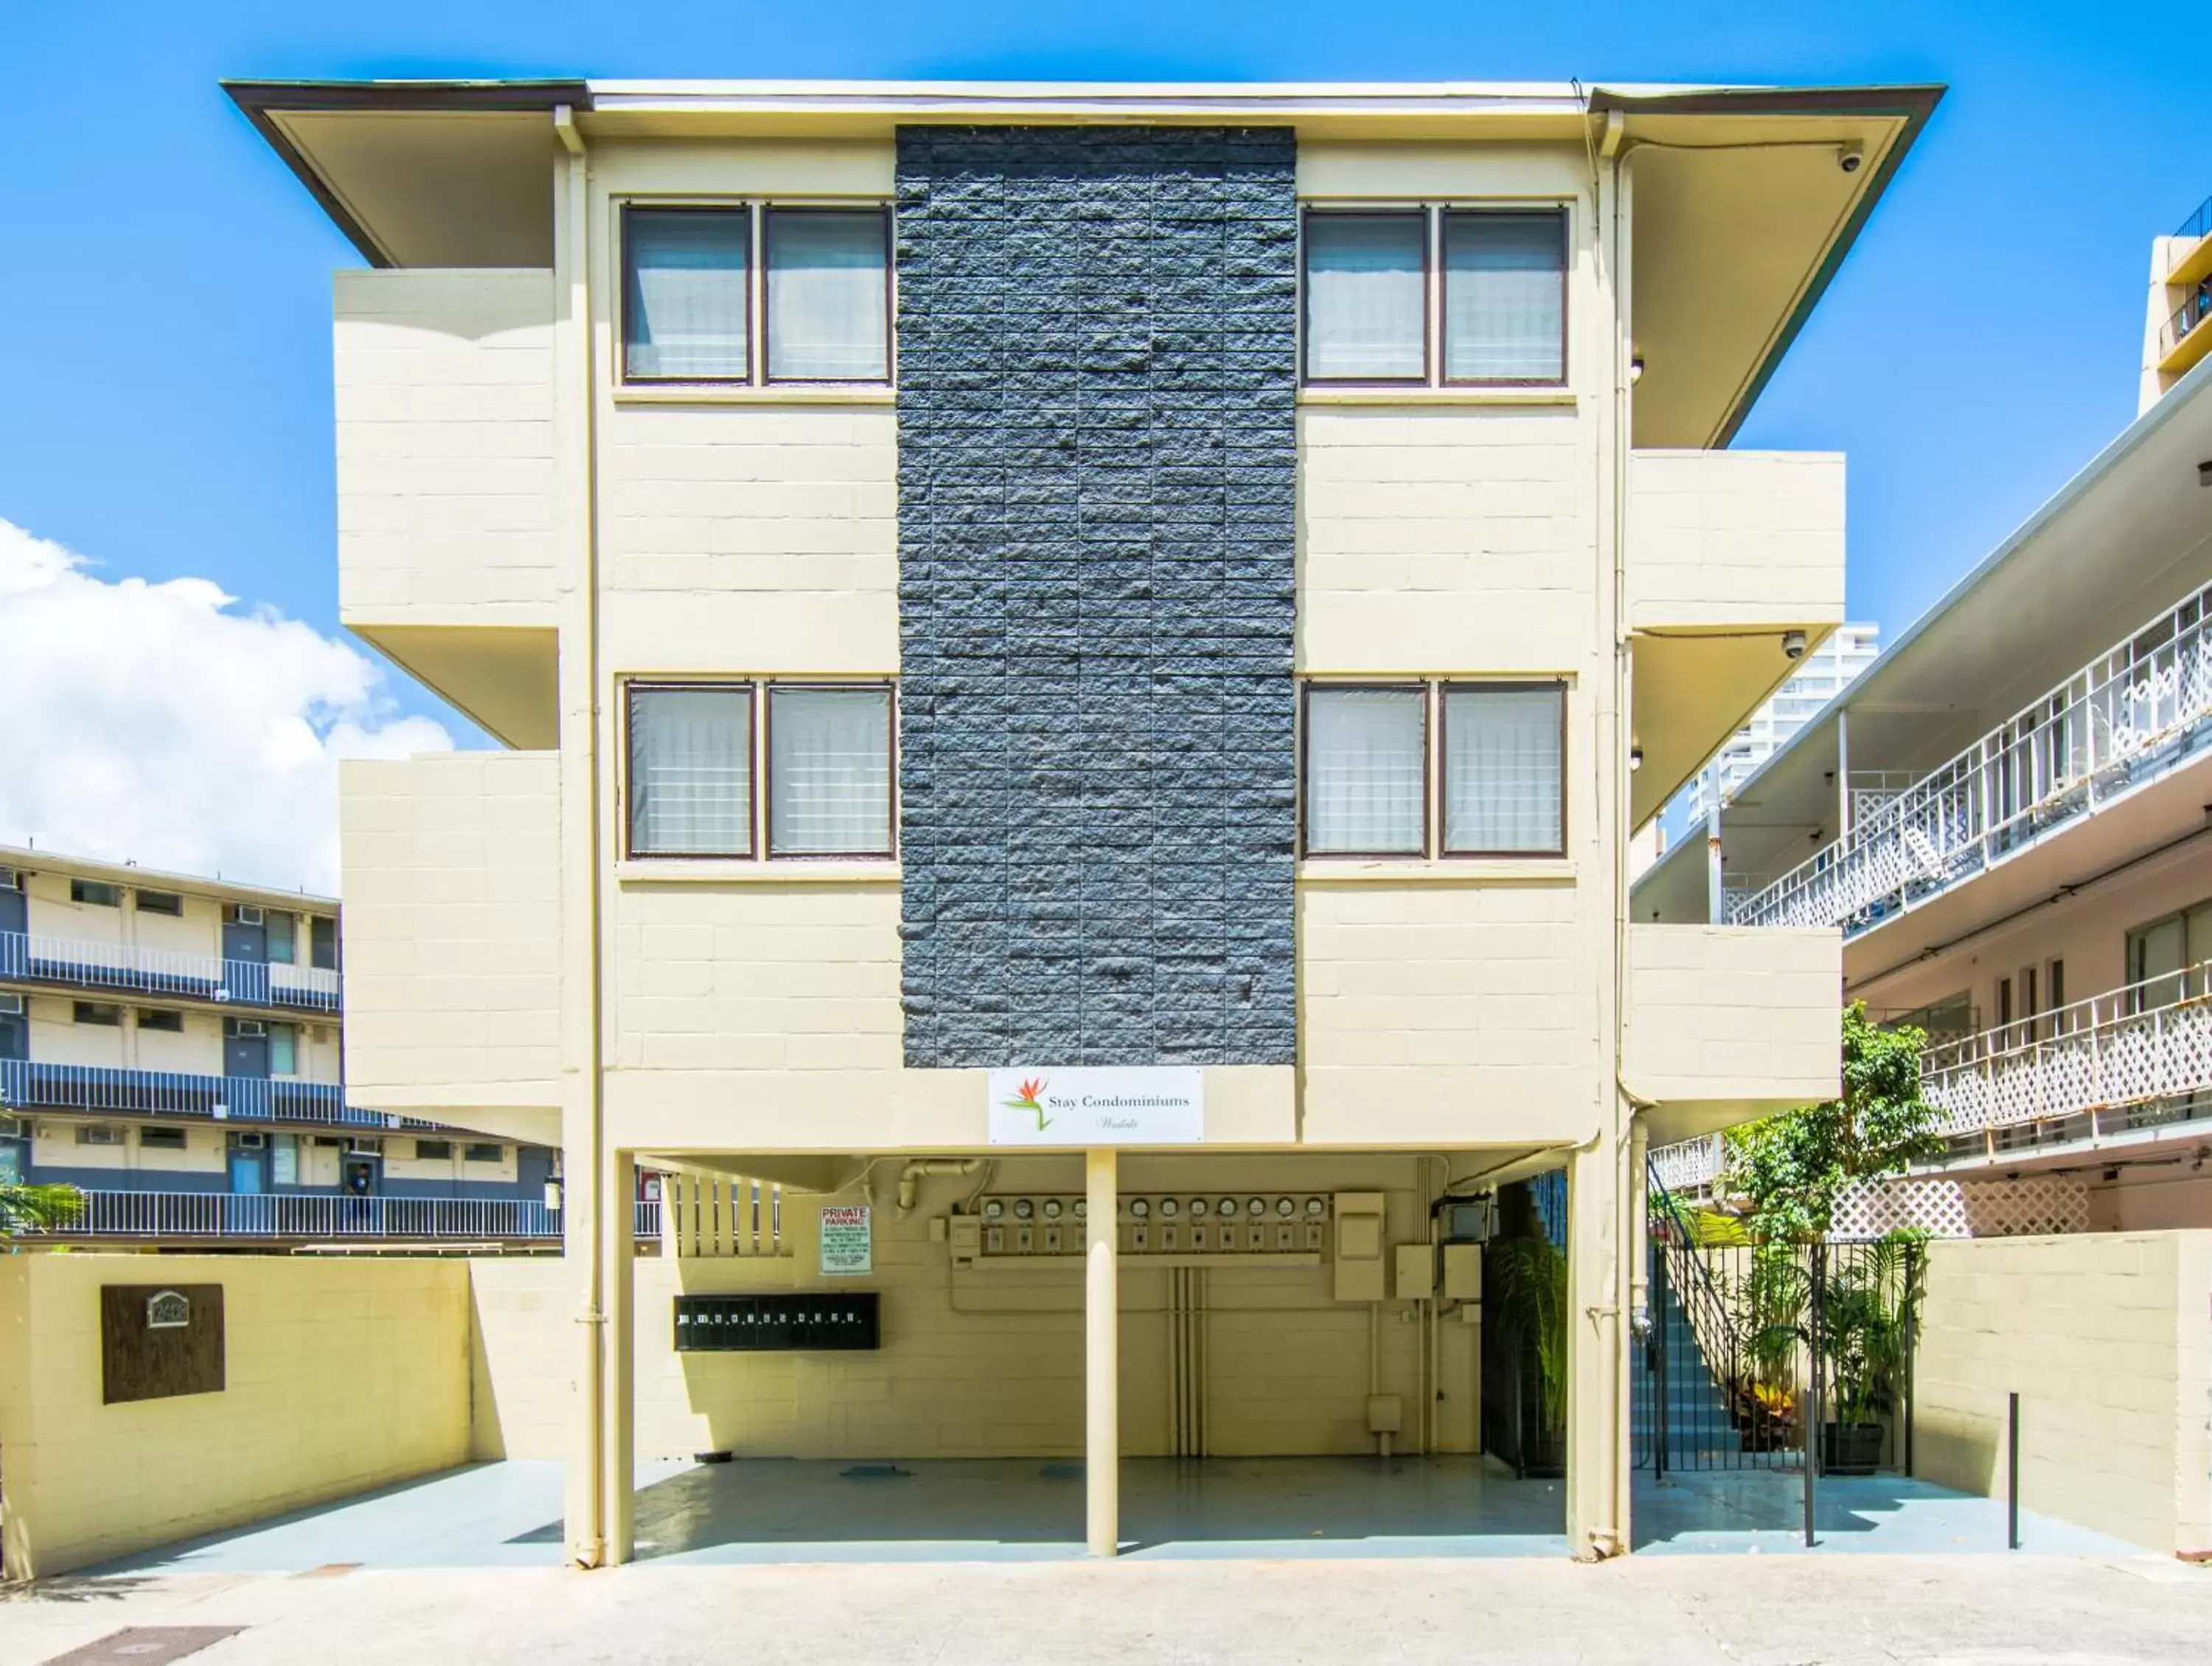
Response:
column 1463, row 1272
column 784, row 1322
column 1416, row 1278
column 964, row 1234
column 1360, row 1259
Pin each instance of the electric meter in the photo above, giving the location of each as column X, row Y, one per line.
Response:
column 1024, row 1209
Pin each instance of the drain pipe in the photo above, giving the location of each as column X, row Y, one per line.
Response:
column 910, row 1177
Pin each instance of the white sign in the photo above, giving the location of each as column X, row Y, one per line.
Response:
column 1138, row 1105
column 848, row 1241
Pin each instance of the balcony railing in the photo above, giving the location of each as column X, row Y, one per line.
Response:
column 66, row 963
column 2147, row 1042
column 27, row 1085
column 1687, row 1166
column 2133, row 714
column 2185, row 319
column 172, row 1215
column 2198, row 224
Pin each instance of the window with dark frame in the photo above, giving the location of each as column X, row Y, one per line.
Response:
column 161, row 1139
column 433, row 1151
column 167, row 1020
column 483, row 1154
column 1435, row 296
column 97, row 892
column 775, row 770
column 159, row 902
column 754, row 293
column 96, row 1012
column 1434, row 766
column 323, row 943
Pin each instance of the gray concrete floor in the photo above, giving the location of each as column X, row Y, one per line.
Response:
column 1408, row 1611
column 767, row 1511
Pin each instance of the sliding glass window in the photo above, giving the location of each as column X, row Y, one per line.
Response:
column 829, row 770
column 686, row 294
column 1436, row 297
column 690, row 769
column 1503, row 789
column 1366, row 771
column 828, row 296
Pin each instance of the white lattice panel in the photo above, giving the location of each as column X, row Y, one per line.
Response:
column 2031, row 1205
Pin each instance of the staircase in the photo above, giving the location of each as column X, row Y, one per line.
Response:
column 1699, row 1434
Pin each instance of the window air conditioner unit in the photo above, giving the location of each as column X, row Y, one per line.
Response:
column 248, row 914
column 252, row 1026
column 250, row 1142
column 10, row 879
column 99, row 1134
column 11, row 1005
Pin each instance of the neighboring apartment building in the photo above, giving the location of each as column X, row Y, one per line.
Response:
column 1080, row 663
column 169, row 1046
column 1820, row 677
column 2181, row 302
column 2006, row 814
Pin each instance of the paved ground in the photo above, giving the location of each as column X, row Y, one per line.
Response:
column 1962, row 1610
column 508, row 1515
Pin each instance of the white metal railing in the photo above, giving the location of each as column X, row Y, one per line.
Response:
column 2147, row 1041
column 25, row 957
column 2132, row 714
column 27, row 1085
column 321, row 1216
column 1688, row 1166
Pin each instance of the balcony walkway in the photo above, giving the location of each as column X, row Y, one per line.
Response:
column 261, row 1219
column 2135, row 715
column 26, row 1086
column 64, row 963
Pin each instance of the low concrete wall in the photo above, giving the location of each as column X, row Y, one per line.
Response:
column 340, row 1376
column 2107, row 1339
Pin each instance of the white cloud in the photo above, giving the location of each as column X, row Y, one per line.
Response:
column 163, row 725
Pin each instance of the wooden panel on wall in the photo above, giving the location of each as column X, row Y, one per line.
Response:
column 153, row 1345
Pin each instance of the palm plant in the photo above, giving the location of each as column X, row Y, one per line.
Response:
column 28, row 1207
column 1532, row 1287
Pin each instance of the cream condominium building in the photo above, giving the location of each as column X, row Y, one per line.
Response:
column 170, row 1047
column 2006, row 815
column 1079, row 662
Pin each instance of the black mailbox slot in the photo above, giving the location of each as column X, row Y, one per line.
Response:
column 790, row 1322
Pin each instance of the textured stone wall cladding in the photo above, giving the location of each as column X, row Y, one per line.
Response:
column 1098, row 345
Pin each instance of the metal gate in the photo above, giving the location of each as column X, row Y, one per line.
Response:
column 1786, row 1356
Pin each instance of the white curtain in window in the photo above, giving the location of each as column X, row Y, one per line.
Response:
column 1366, row 771
column 830, row 776
column 1502, row 774
column 1503, row 294
column 684, row 312
column 827, row 298
column 691, row 791
column 1366, row 306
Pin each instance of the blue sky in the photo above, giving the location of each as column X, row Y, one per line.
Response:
column 167, row 408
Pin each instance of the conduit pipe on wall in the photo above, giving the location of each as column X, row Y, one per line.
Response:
column 910, row 1177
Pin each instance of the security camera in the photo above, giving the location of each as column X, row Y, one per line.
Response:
column 1848, row 158
column 1793, row 645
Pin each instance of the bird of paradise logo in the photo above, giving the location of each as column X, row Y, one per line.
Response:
column 1026, row 1100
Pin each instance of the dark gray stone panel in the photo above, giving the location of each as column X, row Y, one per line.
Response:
column 1098, row 353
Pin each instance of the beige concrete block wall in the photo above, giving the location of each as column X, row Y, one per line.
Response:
column 1445, row 1012
column 340, row 1376
column 746, row 539
column 443, row 385
column 452, row 929
column 978, row 1363
column 1444, row 540
column 53, row 1144
column 2107, row 1340
column 1721, row 539
column 1732, row 1013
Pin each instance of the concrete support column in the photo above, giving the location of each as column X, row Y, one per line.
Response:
column 617, row 1436
column 1597, row 1357
column 1102, row 1362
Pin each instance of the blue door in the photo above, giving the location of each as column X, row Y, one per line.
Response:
column 248, row 1176
column 244, row 1054
column 14, row 1035
column 13, row 923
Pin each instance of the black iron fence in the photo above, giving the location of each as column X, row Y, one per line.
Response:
column 1768, row 1356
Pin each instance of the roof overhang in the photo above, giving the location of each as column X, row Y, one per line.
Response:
column 1744, row 211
